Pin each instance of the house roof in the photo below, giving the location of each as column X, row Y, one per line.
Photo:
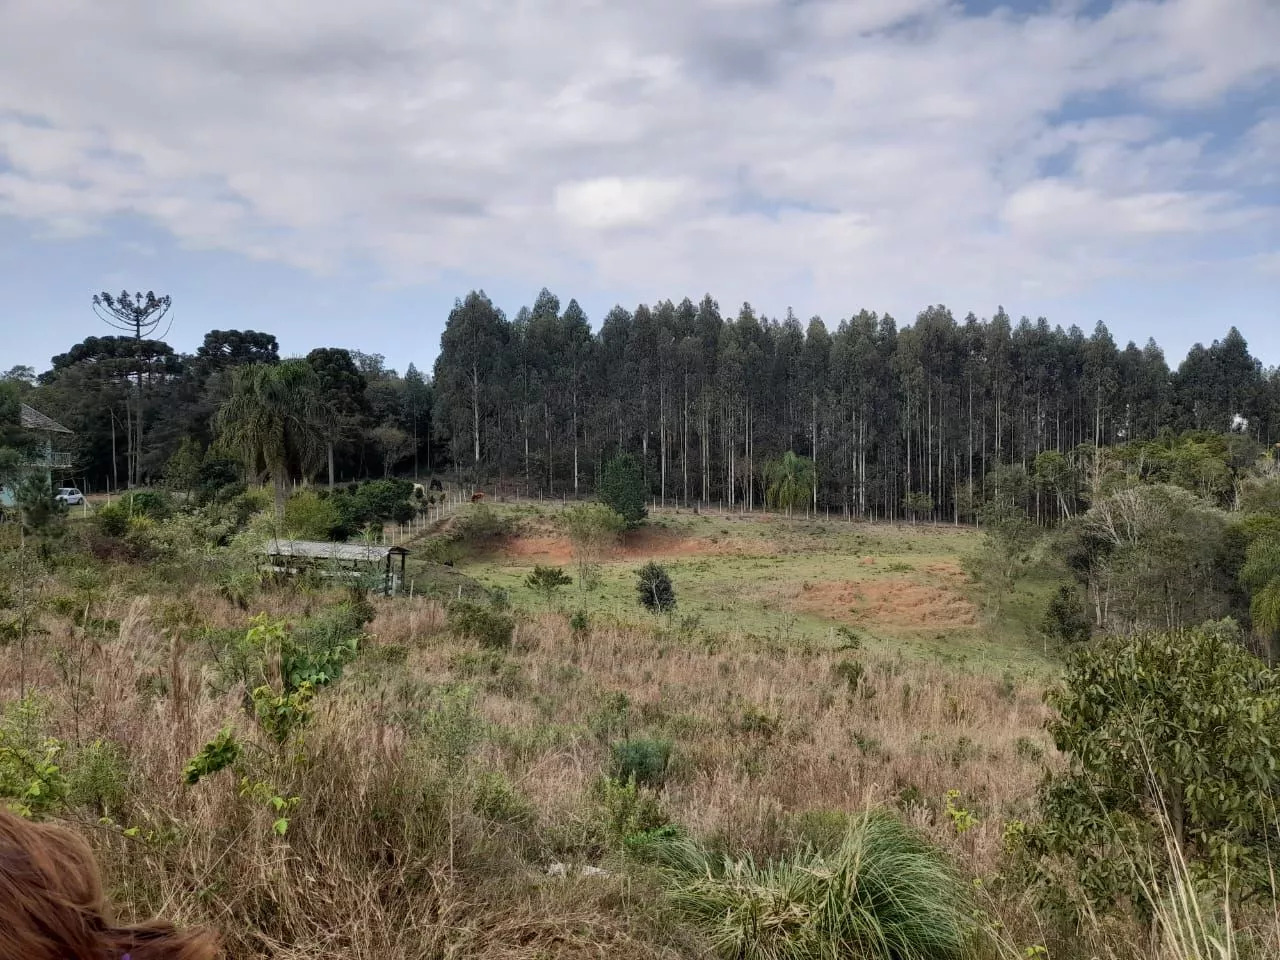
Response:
column 322, row 550
column 33, row 419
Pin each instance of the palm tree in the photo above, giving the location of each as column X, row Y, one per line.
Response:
column 789, row 482
column 277, row 421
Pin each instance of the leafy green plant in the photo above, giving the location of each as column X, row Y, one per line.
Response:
column 656, row 593
column 281, row 714
column 31, row 777
column 580, row 625
column 218, row 754
column 497, row 801
column 962, row 819
column 1163, row 731
column 884, row 894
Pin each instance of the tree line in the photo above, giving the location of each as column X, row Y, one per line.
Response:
column 894, row 421
column 886, row 421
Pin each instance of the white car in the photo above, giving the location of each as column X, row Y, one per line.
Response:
column 70, row 496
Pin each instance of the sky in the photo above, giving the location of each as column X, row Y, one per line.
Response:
column 338, row 173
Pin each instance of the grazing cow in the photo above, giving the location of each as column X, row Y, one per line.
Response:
column 477, row 496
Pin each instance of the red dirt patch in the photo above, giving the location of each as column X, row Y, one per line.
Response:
column 894, row 602
column 636, row 544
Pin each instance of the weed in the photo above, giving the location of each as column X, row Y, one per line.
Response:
column 643, row 760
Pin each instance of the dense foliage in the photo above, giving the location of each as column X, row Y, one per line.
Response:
column 1173, row 734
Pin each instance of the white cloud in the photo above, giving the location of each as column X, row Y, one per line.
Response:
column 609, row 202
column 880, row 152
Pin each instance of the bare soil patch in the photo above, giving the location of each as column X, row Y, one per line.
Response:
column 891, row 602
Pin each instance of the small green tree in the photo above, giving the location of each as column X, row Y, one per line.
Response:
column 547, row 581
column 788, row 482
column 182, row 472
column 1065, row 619
column 592, row 528
column 1166, row 734
column 655, row 590
column 39, row 511
column 1010, row 533
column 622, row 489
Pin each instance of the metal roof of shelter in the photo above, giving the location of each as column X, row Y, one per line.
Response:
column 323, row 550
column 33, row 419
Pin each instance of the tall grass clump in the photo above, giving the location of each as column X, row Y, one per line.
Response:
column 884, row 894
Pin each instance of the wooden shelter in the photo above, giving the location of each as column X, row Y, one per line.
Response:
column 350, row 561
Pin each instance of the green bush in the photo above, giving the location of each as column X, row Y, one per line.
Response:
column 155, row 504
column 622, row 489
column 1171, row 741
column 547, row 581
column 308, row 516
column 219, row 480
column 372, row 502
column 628, row 810
column 112, row 519
column 473, row 622
column 1065, row 619
column 643, row 760
column 884, row 894
column 655, row 590
column 99, row 778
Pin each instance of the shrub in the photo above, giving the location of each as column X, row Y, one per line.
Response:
column 488, row 628
column 309, row 516
column 112, row 519
column 884, row 894
column 547, row 581
column 155, row 504
column 655, row 590
column 99, row 777
column 1165, row 732
column 373, row 502
column 629, row 811
column 622, row 489
column 643, row 760
column 497, row 801
column 219, row 480
column 480, row 524
column 1065, row 619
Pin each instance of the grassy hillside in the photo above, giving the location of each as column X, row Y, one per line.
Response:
column 377, row 779
column 918, row 590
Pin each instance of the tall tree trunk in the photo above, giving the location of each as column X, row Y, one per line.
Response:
column 330, row 452
column 475, row 420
